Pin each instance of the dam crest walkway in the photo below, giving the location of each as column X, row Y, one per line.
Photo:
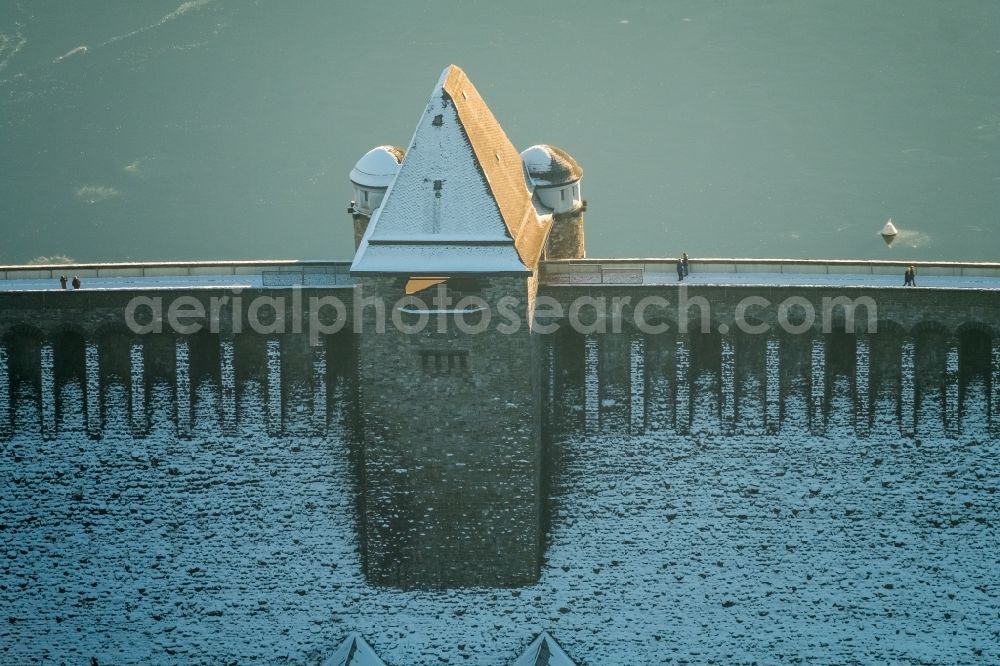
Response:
column 598, row 271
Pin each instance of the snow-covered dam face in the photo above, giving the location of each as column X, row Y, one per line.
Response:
column 75, row 384
column 711, row 384
column 770, row 359
column 907, row 361
column 708, row 497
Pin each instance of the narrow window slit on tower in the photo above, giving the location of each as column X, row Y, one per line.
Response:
column 444, row 363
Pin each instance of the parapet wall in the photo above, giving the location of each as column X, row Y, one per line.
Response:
column 163, row 269
column 591, row 271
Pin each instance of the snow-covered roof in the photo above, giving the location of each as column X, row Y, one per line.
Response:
column 544, row 651
column 548, row 166
column 378, row 167
column 459, row 203
column 354, row 651
column 439, row 258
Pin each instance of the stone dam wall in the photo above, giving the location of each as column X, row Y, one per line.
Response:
column 929, row 349
column 776, row 494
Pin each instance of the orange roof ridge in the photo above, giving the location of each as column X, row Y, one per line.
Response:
column 500, row 163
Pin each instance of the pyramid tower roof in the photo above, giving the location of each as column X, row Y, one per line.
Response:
column 354, row 651
column 459, row 204
column 544, row 651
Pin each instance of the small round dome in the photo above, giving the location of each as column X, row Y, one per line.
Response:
column 378, row 167
column 549, row 166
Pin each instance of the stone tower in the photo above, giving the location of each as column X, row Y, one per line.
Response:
column 371, row 177
column 555, row 177
column 449, row 371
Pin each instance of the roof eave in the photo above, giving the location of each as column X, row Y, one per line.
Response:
column 439, row 273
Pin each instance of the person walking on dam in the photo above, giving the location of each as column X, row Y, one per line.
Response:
column 680, row 270
column 910, row 277
column 62, row 281
column 76, row 281
column 685, row 264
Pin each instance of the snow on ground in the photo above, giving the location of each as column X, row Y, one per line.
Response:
column 664, row 549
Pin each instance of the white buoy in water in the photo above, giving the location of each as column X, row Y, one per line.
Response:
column 889, row 232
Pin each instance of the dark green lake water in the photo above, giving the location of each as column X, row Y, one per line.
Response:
column 226, row 128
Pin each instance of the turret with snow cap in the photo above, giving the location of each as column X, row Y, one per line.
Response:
column 371, row 177
column 554, row 178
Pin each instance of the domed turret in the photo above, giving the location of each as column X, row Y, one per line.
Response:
column 373, row 174
column 549, row 166
column 371, row 177
column 554, row 177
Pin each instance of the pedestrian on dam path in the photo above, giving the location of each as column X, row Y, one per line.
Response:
column 76, row 281
column 685, row 264
column 910, row 277
column 680, row 270
column 62, row 281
